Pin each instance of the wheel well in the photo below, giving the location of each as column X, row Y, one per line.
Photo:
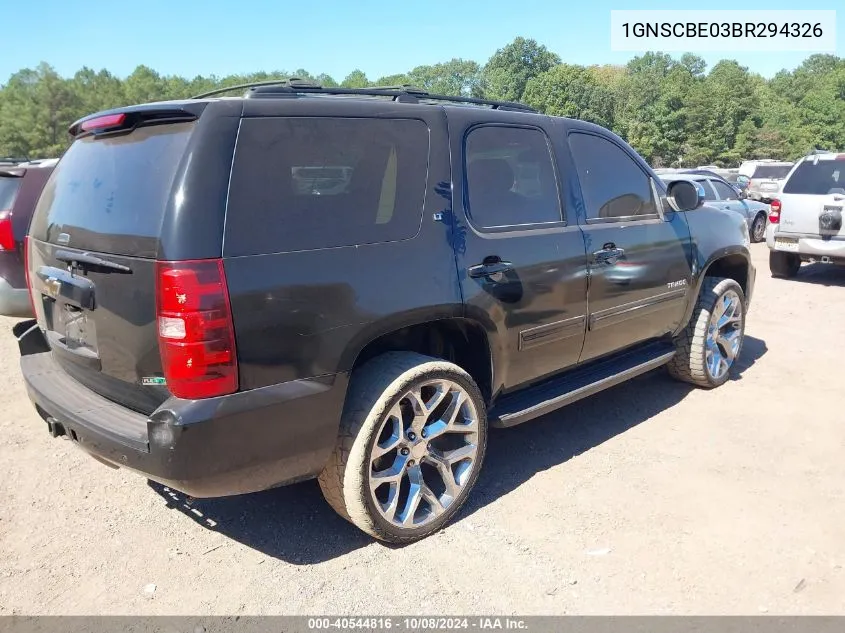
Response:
column 459, row 341
column 733, row 266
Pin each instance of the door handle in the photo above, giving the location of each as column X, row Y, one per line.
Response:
column 489, row 268
column 609, row 254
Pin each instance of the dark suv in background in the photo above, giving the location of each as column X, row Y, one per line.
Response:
column 237, row 293
column 20, row 185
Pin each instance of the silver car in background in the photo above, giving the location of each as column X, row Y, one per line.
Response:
column 720, row 194
column 766, row 178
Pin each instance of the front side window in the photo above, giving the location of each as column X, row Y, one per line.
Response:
column 612, row 183
column 725, row 192
column 709, row 194
column 510, row 177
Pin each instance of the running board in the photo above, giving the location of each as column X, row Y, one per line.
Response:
column 532, row 402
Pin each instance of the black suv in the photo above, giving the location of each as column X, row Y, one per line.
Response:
column 238, row 293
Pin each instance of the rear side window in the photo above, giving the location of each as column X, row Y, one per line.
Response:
column 823, row 178
column 302, row 183
column 9, row 186
column 775, row 172
column 725, row 192
column 613, row 185
column 510, row 177
column 110, row 194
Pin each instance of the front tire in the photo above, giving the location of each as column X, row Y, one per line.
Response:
column 412, row 440
column 712, row 340
column 784, row 265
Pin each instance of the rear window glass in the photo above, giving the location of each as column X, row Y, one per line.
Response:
column 823, row 178
column 9, row 186
column 775, row 172
column 302, row 183
column 109, row 194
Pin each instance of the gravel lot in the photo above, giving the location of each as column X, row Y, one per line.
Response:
column 649, row 498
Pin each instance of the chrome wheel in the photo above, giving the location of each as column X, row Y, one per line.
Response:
column 424, row 453
column 724, row 334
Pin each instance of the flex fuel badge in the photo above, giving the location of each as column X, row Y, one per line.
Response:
column 153, row 380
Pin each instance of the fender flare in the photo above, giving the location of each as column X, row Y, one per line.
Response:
column 700, row 272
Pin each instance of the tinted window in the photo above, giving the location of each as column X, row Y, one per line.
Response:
column 109, row 194
column 709, row 194
column 510, row 177
column 725, row 192
column 9, row 186
column 775, row 172
column 613, row 185
column 302, row 183
column 825, row 177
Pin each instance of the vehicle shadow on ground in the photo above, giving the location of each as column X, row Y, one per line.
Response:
column 296, row 525
column 566, row 433
column 821, row 274
column 752, row 350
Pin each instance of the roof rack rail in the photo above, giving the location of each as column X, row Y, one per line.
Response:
column 253, row 84
column 404, row 93
column 401, row 87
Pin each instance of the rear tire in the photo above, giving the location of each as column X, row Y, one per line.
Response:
column 758, row 228
column 712, row 340
column 784, row 265
column 412, row 440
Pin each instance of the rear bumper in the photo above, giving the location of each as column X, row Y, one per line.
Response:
column 809, row 246
column 762, row 196
column 244, row 442
column 14, row 302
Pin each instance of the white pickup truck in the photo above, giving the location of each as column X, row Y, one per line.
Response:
column 805, row 220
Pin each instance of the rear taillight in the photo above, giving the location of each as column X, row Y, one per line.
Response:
column 195, row 331
column 7, row 238
column 774, row 212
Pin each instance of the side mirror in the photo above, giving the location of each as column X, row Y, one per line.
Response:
column 684, row 195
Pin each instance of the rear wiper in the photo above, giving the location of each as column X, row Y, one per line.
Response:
column 87, row 259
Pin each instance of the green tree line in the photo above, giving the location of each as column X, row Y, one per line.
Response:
column 673, row 111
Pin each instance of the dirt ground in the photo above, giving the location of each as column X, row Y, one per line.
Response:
column 650, row 498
